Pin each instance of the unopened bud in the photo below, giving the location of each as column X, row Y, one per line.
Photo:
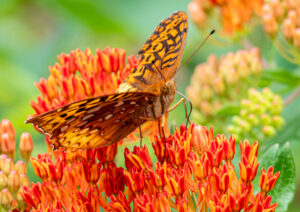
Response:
column 278, row 9
column 267, row 93
column 7, row 127
column 24, row 180
column 13, row 181
column 20, row 200
column 245, row 126
column 278, row 121
column 8, row 165
column 219, row 86
column 6, row 199
column 288, row 28
column 26, row 146
column 269, row 131
column 253, row 119
column 20, row 167
column 266, row 119
column 277, row 105
column 207, row 92
column 197, row 14
column 270, row 24
column 3, row 180
column 2, row 159
column 7, row 144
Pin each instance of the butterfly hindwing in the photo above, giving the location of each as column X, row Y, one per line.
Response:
column 96, row 121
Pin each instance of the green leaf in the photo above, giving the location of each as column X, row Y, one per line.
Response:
column 280, row 76
column 282, row 160
column 285, row 188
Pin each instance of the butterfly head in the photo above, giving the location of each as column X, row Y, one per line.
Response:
column 167, row 93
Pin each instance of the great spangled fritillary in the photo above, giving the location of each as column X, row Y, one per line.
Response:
column 145, row 95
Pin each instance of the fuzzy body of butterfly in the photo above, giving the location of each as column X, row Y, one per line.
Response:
column 144, row 96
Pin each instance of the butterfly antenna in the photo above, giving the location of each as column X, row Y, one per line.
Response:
column 195, row 52
column 159, row 71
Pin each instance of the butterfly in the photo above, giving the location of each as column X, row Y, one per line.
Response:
column 144, row 96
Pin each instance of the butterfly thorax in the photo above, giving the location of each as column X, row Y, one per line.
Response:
column 161, row 103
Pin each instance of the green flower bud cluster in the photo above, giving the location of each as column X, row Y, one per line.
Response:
column 259, row 117
column 218, row 82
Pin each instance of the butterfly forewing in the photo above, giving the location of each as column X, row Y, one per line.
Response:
column 160, row 55
column 94, row 122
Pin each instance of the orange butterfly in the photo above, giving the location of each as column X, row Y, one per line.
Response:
column 145, row 96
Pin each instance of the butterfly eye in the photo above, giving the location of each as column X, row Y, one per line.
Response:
column 164, row 90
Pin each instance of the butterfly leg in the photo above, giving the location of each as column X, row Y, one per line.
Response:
column 162, row 135
column 187, row 115
column 141, row 136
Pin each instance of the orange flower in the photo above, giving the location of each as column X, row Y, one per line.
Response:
column 197, row 168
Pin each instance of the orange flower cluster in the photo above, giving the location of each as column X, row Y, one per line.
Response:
column 234, row 13
column 285, row 16
column 193, row 172
column 12, row 175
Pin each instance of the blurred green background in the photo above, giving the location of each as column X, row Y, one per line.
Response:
column 33, row 33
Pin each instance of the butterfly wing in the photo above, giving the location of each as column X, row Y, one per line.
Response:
column 94, row 122
column 160, row 55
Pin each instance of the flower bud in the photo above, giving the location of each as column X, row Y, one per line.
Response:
column 20, row 200
column 269, row 130
column 265, row 119
column 245, row 126
column 197, row 13
column 20, row 167
column 267, row 94
column 8, row 165
column 3, row 180
column 24, row 180
column 270, row 25
column 278, row 9
column 2, row 159
column 6, row 199
column 13, row 181
column 219, row 86
column 278, row 121
column 7, row 127
column 7, row 144
column 26, row 146
column 277, row 105
column 207, row 92
column 253, row 119
column 288, row 28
